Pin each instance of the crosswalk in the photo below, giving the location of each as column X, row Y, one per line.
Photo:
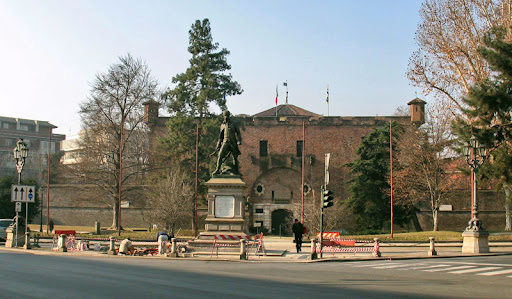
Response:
column 482, row 269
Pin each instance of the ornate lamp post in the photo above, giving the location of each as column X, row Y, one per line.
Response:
column 475, row 236
column 20, row 154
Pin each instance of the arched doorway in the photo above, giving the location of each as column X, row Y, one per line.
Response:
column 282, row 222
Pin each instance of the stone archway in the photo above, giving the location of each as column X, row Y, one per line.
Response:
column 282, row 222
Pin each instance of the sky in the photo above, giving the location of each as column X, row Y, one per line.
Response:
column 51, row 51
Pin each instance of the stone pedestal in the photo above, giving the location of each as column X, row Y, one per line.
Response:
column 475, row 241
column 11, row 237
column 226, row 207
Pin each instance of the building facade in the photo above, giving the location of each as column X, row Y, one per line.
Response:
column 271, row 160
column 36, row 134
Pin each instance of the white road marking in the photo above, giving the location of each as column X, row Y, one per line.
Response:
column 475, row 270
column 506, row 271
column 371, row 265
column 426, row 267
column 396, row 266
column 449, row 268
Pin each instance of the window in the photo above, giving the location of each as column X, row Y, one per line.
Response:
column 300, row 144
column 9, row 142
column 259, row 211
column 23, row 128
column 263, row 148
column 5, row 125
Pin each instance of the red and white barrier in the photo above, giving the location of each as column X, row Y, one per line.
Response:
column 347, row 245
column 232, row 237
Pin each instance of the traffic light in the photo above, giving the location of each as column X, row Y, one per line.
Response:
column 327, row 199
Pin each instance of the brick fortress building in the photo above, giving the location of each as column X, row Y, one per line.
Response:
column 271, row 156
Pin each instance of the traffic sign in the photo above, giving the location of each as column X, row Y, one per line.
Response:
column 23, row 193
column 18, row 206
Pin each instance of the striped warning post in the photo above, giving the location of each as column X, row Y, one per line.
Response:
column 329, row 235
column 232, row 237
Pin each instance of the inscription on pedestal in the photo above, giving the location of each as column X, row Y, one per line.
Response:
column 224, row 206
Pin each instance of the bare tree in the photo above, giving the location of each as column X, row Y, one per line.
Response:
column 447, row 62
column 171, row 201
column 114, row 140
column 424, row 159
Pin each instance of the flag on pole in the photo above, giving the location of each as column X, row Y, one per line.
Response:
column 327, row 99
column 277, row 95
column 326, row 175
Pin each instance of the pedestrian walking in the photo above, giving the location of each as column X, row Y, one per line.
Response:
column 298, row 230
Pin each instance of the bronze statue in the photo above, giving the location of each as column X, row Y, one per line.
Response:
column 227, row 145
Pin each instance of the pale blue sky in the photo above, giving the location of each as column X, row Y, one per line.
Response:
column 51, row 50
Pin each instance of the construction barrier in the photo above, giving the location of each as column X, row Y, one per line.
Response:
column 256, row 242
column 335, row 245
column 66, row 236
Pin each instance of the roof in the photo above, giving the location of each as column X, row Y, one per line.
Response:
column 285, row 110
column 417, row 101
column 27, row 121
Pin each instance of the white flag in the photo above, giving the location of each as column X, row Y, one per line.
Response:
column 327, row 158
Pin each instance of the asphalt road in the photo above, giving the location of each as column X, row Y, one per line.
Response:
column 51, row 276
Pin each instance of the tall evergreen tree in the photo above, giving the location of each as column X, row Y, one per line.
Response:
column 490, row 109
column 205, row 82
column 369, row 200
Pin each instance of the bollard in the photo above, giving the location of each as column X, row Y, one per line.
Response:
column 62, row 243
column 97, row 228
column 173, row 248
column 243, row 253
column 36, row 241
column 313, row 255
column 376, row 248
column 432, row 251
column 112, row 247
column 27, row 241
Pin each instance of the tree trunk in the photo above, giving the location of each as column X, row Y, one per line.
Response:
column 508, row 203
column 115, row 215
column 435, row 213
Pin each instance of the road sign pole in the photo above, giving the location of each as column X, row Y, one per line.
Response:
column 16, row 228
column 26, row 218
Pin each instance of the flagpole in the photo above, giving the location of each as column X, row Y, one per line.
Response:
column 277, row 95
column 303, row 164
column 391, row 170
column 328, row 104
column 286, row 84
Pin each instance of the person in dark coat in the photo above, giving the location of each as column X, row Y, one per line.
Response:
column 298, row 230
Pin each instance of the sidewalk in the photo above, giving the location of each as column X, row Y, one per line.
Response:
column 283, row 250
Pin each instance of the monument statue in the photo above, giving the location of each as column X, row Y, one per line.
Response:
column 227, row 146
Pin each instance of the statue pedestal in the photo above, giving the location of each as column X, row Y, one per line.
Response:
column 226, row 207
column 475, row 242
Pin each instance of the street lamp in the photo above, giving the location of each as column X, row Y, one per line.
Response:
column 20, row 155
column 475, row 236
